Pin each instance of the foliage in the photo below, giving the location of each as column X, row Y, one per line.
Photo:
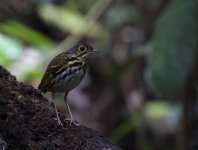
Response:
column 68, row 20
column 26, row 34
column 171, row 50
column 10, row 49
column 174, row 47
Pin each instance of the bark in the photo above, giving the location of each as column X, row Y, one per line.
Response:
column 26, row 122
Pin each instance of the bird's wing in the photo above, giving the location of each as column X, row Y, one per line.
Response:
column 57, row 65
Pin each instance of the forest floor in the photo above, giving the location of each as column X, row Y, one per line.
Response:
column 27, row 122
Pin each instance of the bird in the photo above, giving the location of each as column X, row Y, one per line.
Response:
column 64, row 73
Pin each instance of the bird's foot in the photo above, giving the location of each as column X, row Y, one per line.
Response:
column 72, row 121
column 59, row 121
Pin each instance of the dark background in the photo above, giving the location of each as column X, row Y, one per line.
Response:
column 141, row 89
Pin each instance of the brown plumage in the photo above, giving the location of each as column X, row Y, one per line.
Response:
column 65, row 72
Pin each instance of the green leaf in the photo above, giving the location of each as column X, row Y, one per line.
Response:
column 26, row 34
column 81, row 5
column 68, row 20
column 175, row 44
column 10, row 49
column 158, row 109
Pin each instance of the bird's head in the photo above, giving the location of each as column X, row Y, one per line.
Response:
column 82, row 50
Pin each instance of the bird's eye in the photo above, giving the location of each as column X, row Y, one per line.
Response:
column 82, row 48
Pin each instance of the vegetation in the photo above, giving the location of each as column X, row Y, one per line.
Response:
column 141, row 89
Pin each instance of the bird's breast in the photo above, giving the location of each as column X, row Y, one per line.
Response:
column 70, row 77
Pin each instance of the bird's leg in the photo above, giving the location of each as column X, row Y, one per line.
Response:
column 57, row 117
column 70, row 113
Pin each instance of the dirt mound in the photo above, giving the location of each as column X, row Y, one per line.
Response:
column 26, row 122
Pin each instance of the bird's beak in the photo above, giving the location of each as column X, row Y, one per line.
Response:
column 94, row 51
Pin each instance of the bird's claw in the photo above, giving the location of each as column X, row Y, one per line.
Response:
column 59, row 121
column 72, row 121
